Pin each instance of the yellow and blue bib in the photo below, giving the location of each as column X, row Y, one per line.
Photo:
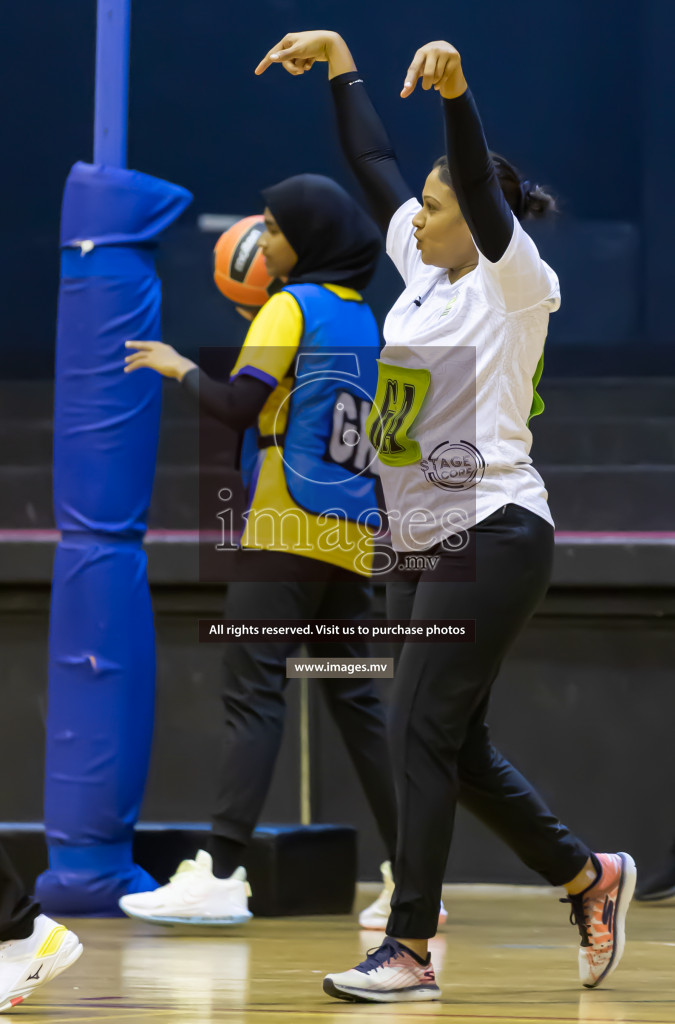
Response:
column 308, row 462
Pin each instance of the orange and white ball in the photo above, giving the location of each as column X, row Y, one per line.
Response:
column 239, row 269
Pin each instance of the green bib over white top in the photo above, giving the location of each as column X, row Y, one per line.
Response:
column 457, row 388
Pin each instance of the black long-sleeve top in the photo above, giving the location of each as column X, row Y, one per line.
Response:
column 237, row 403
column 370, row 154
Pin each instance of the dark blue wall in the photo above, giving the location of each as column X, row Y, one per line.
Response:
column 581, row 100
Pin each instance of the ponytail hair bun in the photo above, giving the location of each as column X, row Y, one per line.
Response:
column 527, row 200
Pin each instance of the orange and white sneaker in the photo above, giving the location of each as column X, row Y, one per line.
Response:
column 600, row 915
column 392, row 973
column 27, row 963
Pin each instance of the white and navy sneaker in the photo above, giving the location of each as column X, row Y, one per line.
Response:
column 375, row 917
column 392, row 973
column 27, row 963
column 193, row 896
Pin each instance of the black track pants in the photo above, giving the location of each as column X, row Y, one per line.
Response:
column 254, row 685
column 17, row 909
column 440, row 744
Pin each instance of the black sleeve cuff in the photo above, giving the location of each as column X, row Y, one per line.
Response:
column 191, row 381
column 466, row 98
column 348, row 78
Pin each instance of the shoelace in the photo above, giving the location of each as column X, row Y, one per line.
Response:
column 379, row 955
column 578, row 917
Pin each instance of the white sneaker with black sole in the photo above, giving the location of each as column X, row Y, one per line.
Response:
column 375, row 917
column 27, row 963
column 392, row 973
column 193, row 896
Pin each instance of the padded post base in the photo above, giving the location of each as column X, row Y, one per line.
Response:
column 293, row 869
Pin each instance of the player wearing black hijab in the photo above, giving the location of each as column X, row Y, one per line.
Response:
column 303, row 455
column 335, row 242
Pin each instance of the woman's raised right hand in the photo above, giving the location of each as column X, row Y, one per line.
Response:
column 298, row 51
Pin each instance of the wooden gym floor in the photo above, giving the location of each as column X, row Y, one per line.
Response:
column 505, row 955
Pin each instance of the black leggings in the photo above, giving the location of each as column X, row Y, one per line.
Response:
column 255, row 681
column 17, row 910
column 440, row 743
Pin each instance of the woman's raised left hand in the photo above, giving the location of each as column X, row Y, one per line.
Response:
column 439, row 65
